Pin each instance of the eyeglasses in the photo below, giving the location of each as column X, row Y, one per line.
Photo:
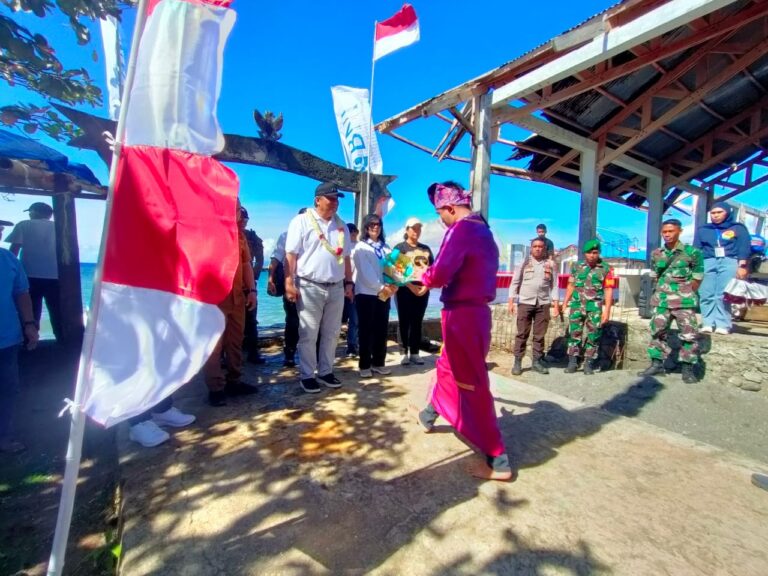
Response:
column 374, row 225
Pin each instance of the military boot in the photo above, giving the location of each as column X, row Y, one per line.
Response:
column 656, row 367
column 539, row 366
column 573, row 361
column 689, row 374
column 517, row 368
column 589, row 367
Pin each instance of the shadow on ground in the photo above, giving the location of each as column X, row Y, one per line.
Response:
column 339, row 482
column 30, row 481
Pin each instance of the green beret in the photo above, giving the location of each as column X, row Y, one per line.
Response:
column 590, row 245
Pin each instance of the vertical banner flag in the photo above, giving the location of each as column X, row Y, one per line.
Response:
column 353, row 117
column 397, row 32
column 171, row 241
column 113, row 63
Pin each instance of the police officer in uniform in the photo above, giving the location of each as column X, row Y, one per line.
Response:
column 588, row 298
column 678, row 269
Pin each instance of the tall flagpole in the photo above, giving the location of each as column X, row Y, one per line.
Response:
column 77, row 426
column 370, row 126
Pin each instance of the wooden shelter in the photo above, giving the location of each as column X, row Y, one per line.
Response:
column 645, row 104
column 29, row 168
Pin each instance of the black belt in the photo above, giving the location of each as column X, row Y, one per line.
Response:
column 323, row 284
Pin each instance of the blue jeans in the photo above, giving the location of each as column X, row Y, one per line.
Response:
column 717, row 273
column 9, row 387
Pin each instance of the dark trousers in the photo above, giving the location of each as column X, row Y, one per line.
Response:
column 251, row 333
column 410, row 316
column 372, row 324
column 291, row 334
column 47, row 288
column 159, row 408
column 9, row 388
column 531, row 315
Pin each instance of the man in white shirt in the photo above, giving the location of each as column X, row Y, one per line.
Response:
column 318, row 276
column 36, row 240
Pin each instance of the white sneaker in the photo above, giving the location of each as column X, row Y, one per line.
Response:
column 416, row 359
column 173, row 417
column 148, row 434
column 722, row 331
column 381, row 370
column 367, row 373
column 706, row 329
column 405, row 360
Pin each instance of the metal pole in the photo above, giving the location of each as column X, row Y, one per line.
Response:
column 367, row 198
column 77, row 427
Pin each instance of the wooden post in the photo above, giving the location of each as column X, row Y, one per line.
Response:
column 68, row 255
column 655, row 213
column 701, row 203
column 362, row 200
column 480, row 179
column 589, row 194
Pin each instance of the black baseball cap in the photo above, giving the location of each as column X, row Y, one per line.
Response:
column 244, row 213
column 5, row 223
column 40, row 208
column 328, row 189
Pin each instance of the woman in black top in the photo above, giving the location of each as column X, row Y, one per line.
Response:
column 410, row 307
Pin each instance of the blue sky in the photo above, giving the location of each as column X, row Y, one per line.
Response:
column 286, row 56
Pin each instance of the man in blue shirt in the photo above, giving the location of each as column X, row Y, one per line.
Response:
column 16, row 324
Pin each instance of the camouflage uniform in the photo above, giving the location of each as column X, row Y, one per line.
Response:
column 674, row 297
column 586, row 308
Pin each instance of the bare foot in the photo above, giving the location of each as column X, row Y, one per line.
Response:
column 479, row 469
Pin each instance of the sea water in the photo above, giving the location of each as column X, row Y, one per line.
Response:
column 270, row 310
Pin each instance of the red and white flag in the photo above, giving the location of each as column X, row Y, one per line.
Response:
column 397, row 32
column 171, row 241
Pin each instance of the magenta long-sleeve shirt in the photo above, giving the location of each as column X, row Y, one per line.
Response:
column 467, row 264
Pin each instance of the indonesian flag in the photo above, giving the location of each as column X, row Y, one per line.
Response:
column 171, row 247
column 397, row 32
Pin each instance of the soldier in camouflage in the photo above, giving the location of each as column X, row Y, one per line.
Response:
column 588, row 298
column 678, row 269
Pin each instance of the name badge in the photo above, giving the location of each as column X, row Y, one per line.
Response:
column 719, row 252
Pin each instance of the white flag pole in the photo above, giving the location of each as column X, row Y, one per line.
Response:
column 77, row 427
column 370, row 128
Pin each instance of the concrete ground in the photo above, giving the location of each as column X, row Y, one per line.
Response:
column 345, row 482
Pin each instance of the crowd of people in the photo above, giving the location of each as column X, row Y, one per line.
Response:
column 327, row 272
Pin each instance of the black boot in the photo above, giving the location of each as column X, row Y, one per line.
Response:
column 689, row 374
column 539, row 366
column 517, row 368
column 589, row 367
column 656, row 367
column 573, row 361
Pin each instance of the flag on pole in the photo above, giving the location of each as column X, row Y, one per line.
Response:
column 113, row 63
column 171, row 240
column 397, row 32
column 353, row 118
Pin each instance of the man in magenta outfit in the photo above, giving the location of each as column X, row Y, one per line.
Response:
column 465, row 269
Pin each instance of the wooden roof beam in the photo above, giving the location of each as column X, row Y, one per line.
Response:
column 699, row 94
column 753, row 112
column 717, row 158
column 654, row 54
column 653, row 23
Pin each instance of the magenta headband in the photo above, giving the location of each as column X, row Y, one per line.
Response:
column 450, row 196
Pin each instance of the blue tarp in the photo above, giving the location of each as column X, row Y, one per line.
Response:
column 20, row 147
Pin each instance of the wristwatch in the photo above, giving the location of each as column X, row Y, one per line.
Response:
column 348, row 283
